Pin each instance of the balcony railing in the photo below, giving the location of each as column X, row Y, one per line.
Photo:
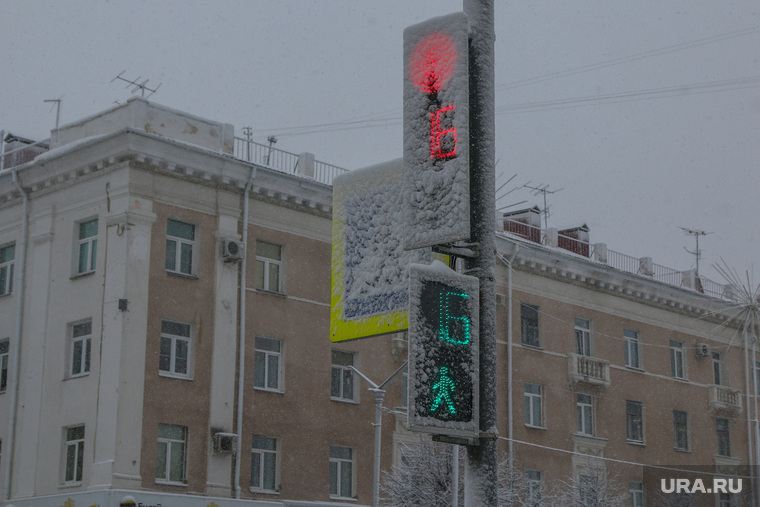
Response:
column 590, row 370
column 725, row 398
column 280, row 160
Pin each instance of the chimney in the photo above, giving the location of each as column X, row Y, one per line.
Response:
column 575, row 240
column 525, row 223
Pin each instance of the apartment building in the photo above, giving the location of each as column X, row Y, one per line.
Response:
column 621, row 359
column 120, row 317
column 122, row 250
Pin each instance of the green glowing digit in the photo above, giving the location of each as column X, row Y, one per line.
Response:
column 453, row 325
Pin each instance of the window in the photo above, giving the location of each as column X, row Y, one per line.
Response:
column 724, row 437
column 81, row 348
column 724, row 500
column 174, row 354
column 631, row 340
column 533, row 409
column 87, row 246
column 4, row 356
column 717, row 368
column 636, row 490
column 267, row 361
column 582, row 336
column 341, row 472
column 264, row 463
column 180, row 241
column 171, row 454
column 342, row 385
column 634, row 421
column 268, row 265
column 680, row 430
column 535, row 486
column 7, row 255
column 676, row 359
column 74, row 455
column 584, row 408
column 529, row 325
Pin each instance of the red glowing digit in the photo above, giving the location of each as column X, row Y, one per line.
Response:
column 432, row 63
column 443, row 143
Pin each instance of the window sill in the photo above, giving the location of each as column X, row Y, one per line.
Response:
column 258, row 491
column 170, row 483
column 266, row 390
column 634, row 368
column 531, row 427
column 637, row 443
column 344, row 400
column 680, row 379
column 170, row 375
column 82, row 275
column 687, row 451
column 532, row 347
column 182, row 275
column 343, row 498
column 271, row 292
column 79, row 375
column 70, row 485
column 6, row 294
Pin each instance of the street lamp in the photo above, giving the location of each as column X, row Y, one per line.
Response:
column 379, row 392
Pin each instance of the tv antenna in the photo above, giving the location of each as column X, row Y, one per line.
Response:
column 697, row 253
column 142, row 86
column 543, row 189
column 502, row 196
column 57, row 105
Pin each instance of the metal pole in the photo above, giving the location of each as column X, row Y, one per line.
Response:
column 379, row 396
column 481, row 470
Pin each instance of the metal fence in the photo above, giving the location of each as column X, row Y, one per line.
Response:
column 634, row 265
column 285, row 161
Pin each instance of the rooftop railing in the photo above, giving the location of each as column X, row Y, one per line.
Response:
column 598, row 252
column 284, row 161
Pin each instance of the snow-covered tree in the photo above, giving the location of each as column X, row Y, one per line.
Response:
column 516, row 488
column 592, row 486
column 423, row 476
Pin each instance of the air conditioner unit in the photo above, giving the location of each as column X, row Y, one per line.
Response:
column 232, row 250
column 703, row 349
column 224, row 442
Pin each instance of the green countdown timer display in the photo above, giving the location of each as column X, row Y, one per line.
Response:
column 443, row 380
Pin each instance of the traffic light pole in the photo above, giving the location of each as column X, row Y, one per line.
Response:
column 482, row 460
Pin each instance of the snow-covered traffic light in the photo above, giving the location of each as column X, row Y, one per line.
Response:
column 436, row 131
column 443, row 351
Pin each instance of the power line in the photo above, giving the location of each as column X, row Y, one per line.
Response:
column 631, row 58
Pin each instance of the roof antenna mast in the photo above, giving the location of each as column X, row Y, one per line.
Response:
column 142, row 86
column 543, row 189
column 697, row 253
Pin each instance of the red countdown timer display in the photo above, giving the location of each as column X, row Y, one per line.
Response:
column 430, row 68
column 436, row 131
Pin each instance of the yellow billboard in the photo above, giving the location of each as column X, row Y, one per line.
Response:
column 370, row 268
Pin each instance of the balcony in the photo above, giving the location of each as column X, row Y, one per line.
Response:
column 726, row 399
column 590, row 370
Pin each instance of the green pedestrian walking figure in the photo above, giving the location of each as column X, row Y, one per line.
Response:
column 444, row 386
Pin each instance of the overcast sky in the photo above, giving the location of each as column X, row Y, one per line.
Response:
column 645, row 113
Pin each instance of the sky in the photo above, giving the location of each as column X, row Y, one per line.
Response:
column 642, row 116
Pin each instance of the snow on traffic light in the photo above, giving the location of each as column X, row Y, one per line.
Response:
column 443, row 351
column 436, row 131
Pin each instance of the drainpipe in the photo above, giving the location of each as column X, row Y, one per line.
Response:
column 241, row 358
column 15, row 346
column 510, row 418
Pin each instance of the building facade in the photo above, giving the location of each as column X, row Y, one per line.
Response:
column 122, row 251
column 139, row 249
